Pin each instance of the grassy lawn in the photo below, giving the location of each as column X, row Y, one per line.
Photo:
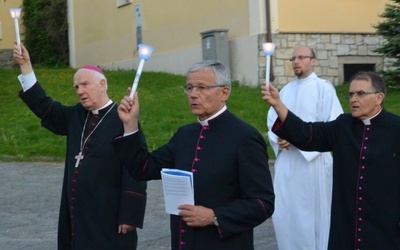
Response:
column 163, row 109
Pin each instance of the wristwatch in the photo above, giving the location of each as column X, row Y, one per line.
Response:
column 215, row 221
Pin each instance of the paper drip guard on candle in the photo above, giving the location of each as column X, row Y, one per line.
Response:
column 15, row 14
column 268, row 52
column 145, row 52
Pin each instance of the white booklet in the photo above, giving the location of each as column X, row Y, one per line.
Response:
column 178, row 189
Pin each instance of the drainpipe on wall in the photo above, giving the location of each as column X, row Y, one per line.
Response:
column 268, row 35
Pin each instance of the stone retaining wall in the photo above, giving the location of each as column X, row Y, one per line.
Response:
column 6, row 59
column 333, row 52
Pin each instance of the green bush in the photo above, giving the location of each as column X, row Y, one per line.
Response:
column 390, row 30
column 46, row 32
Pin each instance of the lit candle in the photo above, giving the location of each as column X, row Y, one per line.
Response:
column 268, row 51
column 145, row 52
column 15, row 14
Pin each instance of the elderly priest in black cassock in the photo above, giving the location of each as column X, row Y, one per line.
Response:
column 101, row 205
column 366, row 164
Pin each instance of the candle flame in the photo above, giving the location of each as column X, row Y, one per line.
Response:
column 15, row 13
column 268, row 48
column 145, row 51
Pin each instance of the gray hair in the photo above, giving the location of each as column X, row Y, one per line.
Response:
column 100, row 77
column 221, row 72
column 376, row 81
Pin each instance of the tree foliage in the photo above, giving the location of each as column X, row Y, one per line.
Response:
column 46, row 31
column 390, row 30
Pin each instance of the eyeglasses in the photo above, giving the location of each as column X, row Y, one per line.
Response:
column 300, row 58
column 201, row 88
column 360, row 94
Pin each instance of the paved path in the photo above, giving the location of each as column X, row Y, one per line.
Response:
column 29, row 203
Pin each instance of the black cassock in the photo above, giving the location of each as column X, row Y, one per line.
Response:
column 229, row 162
column 366, row 176
column 98, row 194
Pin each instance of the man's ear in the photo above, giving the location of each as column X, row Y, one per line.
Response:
column 380, row 98
column 225, row 92
column 103, row 83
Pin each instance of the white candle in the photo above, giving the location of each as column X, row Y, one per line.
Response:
column 137, row 77
column 268, row 51
column 15, row 14
column 145, row 52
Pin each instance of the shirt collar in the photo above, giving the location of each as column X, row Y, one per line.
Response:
column 96, row 111
column 311, row 76
column 205, row 122
column 368, row 120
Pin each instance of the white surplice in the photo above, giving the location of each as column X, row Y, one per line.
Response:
column 303, row 180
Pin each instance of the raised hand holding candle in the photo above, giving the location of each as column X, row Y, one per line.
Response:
column 145, row 52
column 15, row 14
column 268, row 51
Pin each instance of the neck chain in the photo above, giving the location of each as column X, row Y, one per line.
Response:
column 83, row 142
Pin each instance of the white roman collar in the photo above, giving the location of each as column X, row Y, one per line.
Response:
column 205, row 122
column 368, row 120
column 96, row 111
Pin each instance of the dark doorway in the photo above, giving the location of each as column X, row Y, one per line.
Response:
column 351, row 69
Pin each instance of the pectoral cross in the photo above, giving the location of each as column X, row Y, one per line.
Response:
column 78, row 158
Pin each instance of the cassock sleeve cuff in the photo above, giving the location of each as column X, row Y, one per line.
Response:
column 27, row 81
column 277, row 125
column 131, row 133
column 132, row 208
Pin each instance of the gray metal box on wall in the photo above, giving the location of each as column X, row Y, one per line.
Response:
column 215, row 45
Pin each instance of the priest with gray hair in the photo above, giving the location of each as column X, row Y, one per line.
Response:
column 233, row 190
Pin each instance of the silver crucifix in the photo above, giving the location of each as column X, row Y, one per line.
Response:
column 78, row 158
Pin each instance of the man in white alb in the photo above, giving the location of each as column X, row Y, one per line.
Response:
column 303, row 180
